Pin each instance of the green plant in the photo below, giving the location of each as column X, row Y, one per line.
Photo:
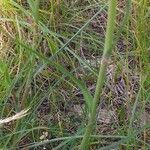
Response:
column 101, row 76
column 47, row 52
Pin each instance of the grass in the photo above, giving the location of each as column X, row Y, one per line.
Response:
column 102, row 72
column 49, row 57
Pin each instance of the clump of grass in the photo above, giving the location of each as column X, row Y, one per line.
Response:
column 44, row 65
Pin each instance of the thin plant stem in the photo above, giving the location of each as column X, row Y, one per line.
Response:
column 101, row 77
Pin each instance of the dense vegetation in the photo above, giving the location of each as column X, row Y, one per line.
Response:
column 50, row 53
